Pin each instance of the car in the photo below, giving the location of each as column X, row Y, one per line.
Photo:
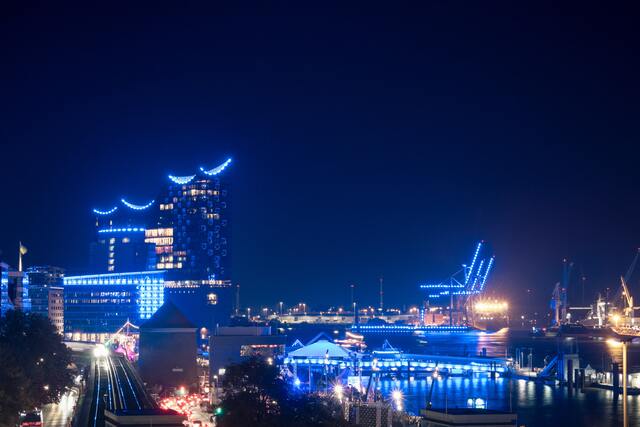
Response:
column 31, row 419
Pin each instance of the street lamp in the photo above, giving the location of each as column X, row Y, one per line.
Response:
column 280, row 304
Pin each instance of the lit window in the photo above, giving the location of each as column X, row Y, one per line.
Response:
column 125, row 240
column 212, row 299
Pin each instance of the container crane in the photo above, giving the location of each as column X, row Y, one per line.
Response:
column 628, row 299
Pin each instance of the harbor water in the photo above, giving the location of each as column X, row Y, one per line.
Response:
column 536, row 403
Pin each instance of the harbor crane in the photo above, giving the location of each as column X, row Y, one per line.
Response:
column 628, row 299
column 559, row 302
column 464, row 284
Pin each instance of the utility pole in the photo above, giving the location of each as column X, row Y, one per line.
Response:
column 625, row 417
column 352, row 292
column 381, row 297
column 238, row 299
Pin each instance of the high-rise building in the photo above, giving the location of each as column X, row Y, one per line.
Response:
column 5, row 299
column 56, row 308
column 45, row 292
column 183, row 232
column 119, row 244
column 19, row 290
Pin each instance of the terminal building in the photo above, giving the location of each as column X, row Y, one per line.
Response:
column 180, row 237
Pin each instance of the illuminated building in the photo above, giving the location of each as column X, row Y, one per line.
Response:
column 96, row 306
column 183, row 231
column 19, row 290
column 45, row 292
column 5, row 300
column 56, row 308
column 119, row 244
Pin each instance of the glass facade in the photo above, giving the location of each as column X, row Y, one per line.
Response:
column 185, row 231
column 41, row 280
column 102, row 303
column 5, row 300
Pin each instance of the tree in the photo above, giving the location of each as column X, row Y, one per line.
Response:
column 255, row 394
column 33, row 363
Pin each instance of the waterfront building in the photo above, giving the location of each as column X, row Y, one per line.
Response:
column 168, row 350
column 119, row 244
column 96, row 306
column 183, row 231
column 234, row 344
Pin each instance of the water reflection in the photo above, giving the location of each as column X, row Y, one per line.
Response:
column 535, row 403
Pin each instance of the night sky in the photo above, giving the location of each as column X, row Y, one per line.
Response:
column 366, row 141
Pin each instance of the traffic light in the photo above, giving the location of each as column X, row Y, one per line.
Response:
column 219, row 411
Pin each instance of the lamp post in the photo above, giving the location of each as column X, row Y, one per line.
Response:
column 280, row 305
column 625, row 417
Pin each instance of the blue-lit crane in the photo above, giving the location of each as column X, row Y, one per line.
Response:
column 464, row 283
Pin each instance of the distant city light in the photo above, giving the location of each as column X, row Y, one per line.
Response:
column 491, row 307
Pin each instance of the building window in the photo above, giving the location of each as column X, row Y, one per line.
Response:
column 212, row 299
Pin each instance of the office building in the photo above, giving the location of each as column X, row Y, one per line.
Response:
column 96, row 306
column 45, row 292
column 19, row 290
column 56, row 308
column 5, row 300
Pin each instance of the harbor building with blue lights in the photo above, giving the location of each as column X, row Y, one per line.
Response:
column 182, row 235
column 95, row 306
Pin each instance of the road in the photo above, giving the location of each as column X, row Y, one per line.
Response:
column 59, row 415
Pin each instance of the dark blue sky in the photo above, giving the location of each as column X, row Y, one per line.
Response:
column 366, row 141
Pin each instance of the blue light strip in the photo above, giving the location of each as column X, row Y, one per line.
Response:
column 475, row 281
column 181, row 179
column 473, row 262
column 132, row 278
column 121, row 230
column 486, row 273
column 217, row 169
column 109, row 212
column 136, row 207
column 149, row 287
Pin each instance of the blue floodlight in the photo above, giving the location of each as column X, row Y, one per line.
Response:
column 486, row 273
column 181, row 179
column 473, row 262
column 109, row 212
column 217, row 169
column 136, row 207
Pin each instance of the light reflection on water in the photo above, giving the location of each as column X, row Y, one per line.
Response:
column 535, row 403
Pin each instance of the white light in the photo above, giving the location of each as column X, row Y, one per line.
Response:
column 100, row 351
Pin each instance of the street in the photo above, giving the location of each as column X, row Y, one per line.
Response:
column 59, row 415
